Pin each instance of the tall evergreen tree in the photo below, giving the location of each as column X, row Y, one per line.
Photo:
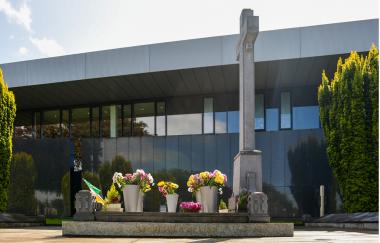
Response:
column 7, row 116
column 349, row 116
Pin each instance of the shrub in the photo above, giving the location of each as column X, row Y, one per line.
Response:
column 7, row 116
column 349, row 117
column 21, row 197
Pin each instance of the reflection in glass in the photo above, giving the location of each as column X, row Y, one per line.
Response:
column 24, row 125
column 233, row 121
column 185, row 124
column 259, row 111
column 127, row 121
column 51, row 124
column 160, row 119
column 37, row 122
column 65, row 129
column 80, row 124
column 220, row 122
column 144, row 119
column 305, row 117
column 271, row 122
column 285, row 111
column 95, row 119
column 208, row 115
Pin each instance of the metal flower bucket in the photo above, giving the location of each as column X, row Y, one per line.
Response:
column 131, row 194
column 209, row 198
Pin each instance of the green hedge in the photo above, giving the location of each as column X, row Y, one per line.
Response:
column 7, row 116
column 349, row 116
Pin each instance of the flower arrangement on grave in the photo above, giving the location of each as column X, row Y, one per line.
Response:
column 192, row 207
column 113, row 195
column 206, row 186
column 167, row 189
column 112, row 201
column 134, row 185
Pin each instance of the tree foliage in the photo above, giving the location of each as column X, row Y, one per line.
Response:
column 7, row 116
column 349, row 116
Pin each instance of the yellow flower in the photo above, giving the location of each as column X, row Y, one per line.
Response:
column 161, row 183
column 219, row 179
column 190, row 181
column 174, row 186
column 204, row 175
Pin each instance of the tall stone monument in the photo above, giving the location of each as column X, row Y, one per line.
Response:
column 247, row 173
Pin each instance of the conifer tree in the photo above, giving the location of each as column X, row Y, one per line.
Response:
column 349, row 117
column 7, row 116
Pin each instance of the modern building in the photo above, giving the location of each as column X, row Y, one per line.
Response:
column 174, row 107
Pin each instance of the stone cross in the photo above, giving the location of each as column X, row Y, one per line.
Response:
column 248, row 162
column 249, row 29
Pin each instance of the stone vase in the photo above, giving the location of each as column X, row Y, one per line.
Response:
column 131, row 195
column 198, row 198
column 114, row 207
column 140, row 203
column 209, row 198
column 171, row 202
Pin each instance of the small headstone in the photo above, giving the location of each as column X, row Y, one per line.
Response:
column 258, row 207
column 84, row 206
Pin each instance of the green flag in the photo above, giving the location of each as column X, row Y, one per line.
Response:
column 95, row 190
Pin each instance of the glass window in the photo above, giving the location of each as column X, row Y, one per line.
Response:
column 305, row 117
column 65, row 129
column 259, row 111
column 80, row 122
column 208, row 115
column 111, row 121
column 233, row 121
column 220, row 122
column 95, row 119
column 285, row 111
column 144, row 119
column 51, row 124
column 24, row 125
column 160, row 119
column 127, row 121
column 271, row 122
column 185, row 124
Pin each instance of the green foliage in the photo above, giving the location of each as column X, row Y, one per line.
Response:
column 222, row 204
column 349, row 116
column 107, row 169
column 7, row 116
column 22, row 183
column 113, row 195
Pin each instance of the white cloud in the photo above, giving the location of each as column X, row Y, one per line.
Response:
column 22, row 16
column 48, row 47
column 11, row 37
column 23, row 51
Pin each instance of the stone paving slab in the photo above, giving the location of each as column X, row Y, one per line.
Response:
column 54, row 234
column 152, row 229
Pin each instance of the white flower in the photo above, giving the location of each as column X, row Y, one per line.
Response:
column 116, row 177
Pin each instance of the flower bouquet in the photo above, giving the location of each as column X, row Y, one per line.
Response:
column 191, row 207
column 208, row 184
column 113, row 200
column 167, row 189
column 134, row 186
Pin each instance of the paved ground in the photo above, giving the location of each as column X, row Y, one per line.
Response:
column 54, row 234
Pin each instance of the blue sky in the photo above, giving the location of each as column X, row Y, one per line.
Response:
column 31, row 29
